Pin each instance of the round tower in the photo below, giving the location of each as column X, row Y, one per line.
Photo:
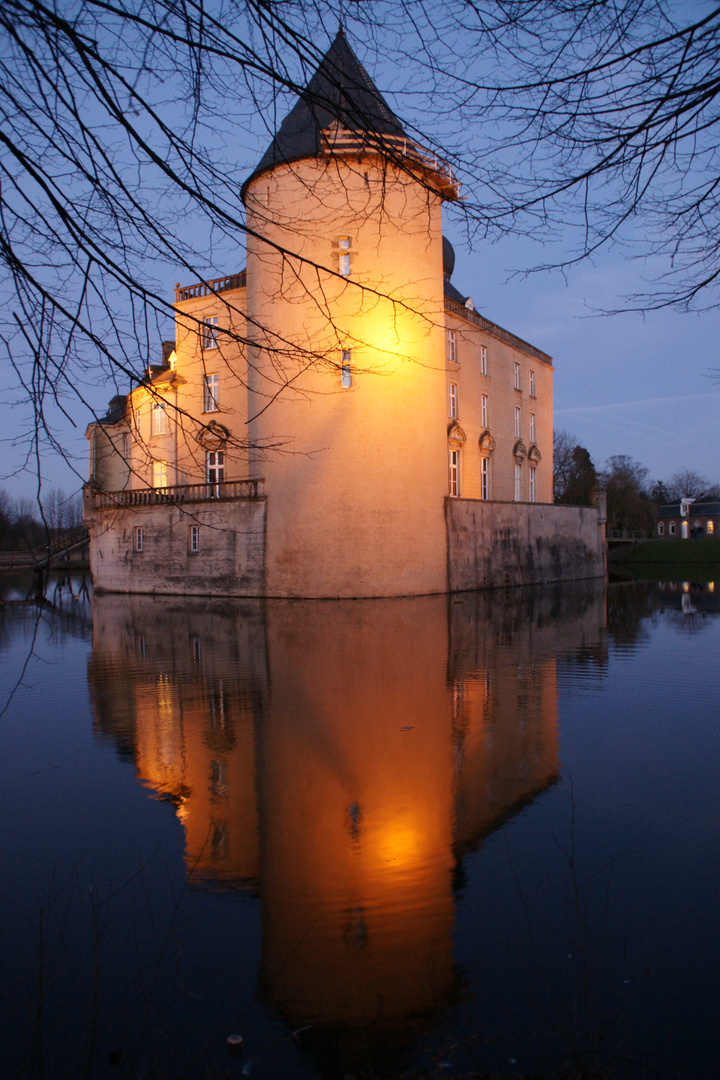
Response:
column 347, row 386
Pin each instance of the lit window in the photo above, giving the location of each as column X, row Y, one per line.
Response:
column 484, row 410
column 518, row 483
column 194, row 538
column 483, row 360
column 517, row 376
column 532, row 427
column 210, row 393
column 710, row 528
column 532, row 384
column 452, row 346
column 455, row 472
column 346, row 369
column 215, row 470
column 158, row 419
column 485, row 478
column 159, row 474
column 138, row 538
column 344, row 264
column 518, row 422
column 210, row 333
column 453, row 400
column 532, row 483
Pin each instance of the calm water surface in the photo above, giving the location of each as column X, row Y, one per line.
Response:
column 476, row 833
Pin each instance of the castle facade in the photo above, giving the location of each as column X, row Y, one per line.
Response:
column 336, row 419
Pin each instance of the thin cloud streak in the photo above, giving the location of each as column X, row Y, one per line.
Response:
column 635, row 404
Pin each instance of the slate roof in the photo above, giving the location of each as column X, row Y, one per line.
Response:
column 340, row 92
column 706, row 506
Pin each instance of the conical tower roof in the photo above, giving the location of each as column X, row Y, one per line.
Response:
column 341, row 96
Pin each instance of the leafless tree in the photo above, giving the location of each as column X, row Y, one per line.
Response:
column 116, row 116
column 687, row 482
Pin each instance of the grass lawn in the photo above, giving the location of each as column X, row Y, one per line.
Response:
column 703, row 552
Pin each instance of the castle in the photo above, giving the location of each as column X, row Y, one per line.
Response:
column 336, row 420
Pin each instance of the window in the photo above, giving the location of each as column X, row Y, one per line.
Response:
column 484, row 410
column 125, row 448
column 671, row 530
column 710, row 528
column 661, row 528
column 158, row 419
column 532, row 427
column 210, row 333
column 138, row 538
column 532, row 471
column 455, row 472
column 518, row 483
column 159, row 474
column 518, row 422
column 215, row 469
column 344, row 251
column 210, row 393
column 196, row 649
column 452, row 346
column 483, row 360
column 194, row 538
column 532, row 384
column 517, row 376
column 485, row 478
column 453, row 400
column 346, row 369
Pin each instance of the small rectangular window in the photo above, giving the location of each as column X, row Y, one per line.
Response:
column 210, row 333
column 158, row 419
column 517, row 376
column 138, row 538
column 194, row 538
column 517, row 495
column 453, row 400
column 196, row 648
column 518, row 423
column 210, row 393
column 532, row 427
column 484, row 410
column 346, row 369
column 159, row 474
column 532, row 472
column 344, row 252
column 484, row 478
column 483, row 360
column 532, row 384
column 452, row 346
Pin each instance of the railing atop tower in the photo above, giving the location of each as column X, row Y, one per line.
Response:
column 210, row 288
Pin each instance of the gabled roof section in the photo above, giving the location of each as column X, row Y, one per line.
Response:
column 341, row 96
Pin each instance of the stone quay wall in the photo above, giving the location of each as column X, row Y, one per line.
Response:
column 494, row 544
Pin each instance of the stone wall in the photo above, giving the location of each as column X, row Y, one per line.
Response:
column 230, row 560
column 493, row 544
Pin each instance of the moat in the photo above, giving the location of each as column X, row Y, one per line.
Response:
column 476, row 832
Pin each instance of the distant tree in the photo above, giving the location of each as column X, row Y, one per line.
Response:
column 61, row 511
column 583, row 478
column 628, row 500
column 687, row 482
column 563, row 446
column 574, row 475
column 659, row 494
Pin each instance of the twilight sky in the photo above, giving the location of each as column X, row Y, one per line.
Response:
column 628, row 383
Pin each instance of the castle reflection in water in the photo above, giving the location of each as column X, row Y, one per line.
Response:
column 338, row 759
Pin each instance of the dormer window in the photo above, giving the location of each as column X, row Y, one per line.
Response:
column 344, row 255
